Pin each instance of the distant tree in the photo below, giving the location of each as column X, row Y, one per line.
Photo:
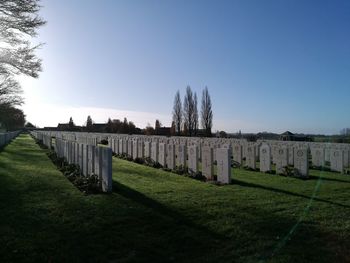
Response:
column 89, row 124
column 177, row 113
column 185, row 130
column 149, row 130
column 71, row 124
column 157, row 126
column 29, row 125
column 117, row 126
column 188, row 111
column 132, row 128
column 172, row 129
column 206, row 113
column 19, row 20
column 223, row 134
column 125, row 128
column 12, row 118
column 109, row 126
column 195, row 115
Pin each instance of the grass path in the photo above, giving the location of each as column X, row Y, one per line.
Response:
column 156, row 216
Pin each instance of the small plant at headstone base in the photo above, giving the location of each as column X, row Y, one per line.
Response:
column 129, row 158
column 166, row 169
column 347, row 171
column 139, row 160
column 180, row 169
column 123, row 156
column 235, row 164
column 59, row 162
column 288, row 171
column 250, row 168
column 86, row 184
column 104, row 142
column 271, row 172
column 149, row 162
column 198, row 176
column 327, row 163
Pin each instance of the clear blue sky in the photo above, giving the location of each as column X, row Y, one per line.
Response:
column 269, row 65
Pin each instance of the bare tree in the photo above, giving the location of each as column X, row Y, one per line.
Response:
column 177, row 113
column 157, row 126
column 188, row 111
column 195, row 114
column 10, row 91
column 206, row 113
column 89, row 124
column 19, row 22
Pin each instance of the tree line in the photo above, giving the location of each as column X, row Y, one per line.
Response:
column 111, row 126
column 186, row 118
column 19, row 21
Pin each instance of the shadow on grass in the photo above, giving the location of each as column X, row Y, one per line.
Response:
column 251, row 185
column 140, row 198
column 313, row 177
column 45, row 220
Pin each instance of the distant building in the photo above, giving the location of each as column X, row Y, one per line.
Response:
column 66, row 127
column 288, row 136
column 63, row 127
column 50, row 128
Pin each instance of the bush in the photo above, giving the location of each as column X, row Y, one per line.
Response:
column 104, row 142
column 149, row 162
column 139, row 160
column 198, row 176
column 180, row 170
column 288, row 171
column 235, row 164
column 250, row 168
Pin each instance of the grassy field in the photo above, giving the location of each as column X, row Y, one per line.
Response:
column 157, row 216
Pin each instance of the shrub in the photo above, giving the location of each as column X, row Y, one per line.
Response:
column 104, row 142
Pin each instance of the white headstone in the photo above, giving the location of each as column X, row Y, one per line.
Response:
column 170, row 159
column 135, row 149
column 337, row 160
column 265, row 157
column 251, row 156
column 237, row 152
column 106, row 169
column 207, row 162
column 192, row 159
column 162, row 154
column 181, row 155
column 147, row 149
column 318, row 157
column 223, row 156
column 281, row 159
column 140, row 149
column 301, row 162
column 154, row 151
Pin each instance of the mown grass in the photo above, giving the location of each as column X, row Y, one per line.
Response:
column 157, row 216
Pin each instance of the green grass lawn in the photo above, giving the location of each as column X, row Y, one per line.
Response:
column 157, row 216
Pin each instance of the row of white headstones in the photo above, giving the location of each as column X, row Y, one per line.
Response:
column 189, row 151
column 91, row 159
column 7, row 137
